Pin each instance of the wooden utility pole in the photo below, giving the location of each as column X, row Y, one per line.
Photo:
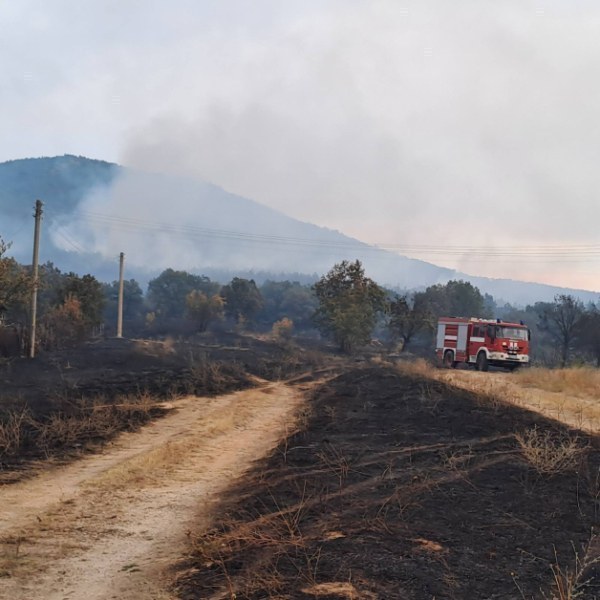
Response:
column 34, row 274
column 120, row 306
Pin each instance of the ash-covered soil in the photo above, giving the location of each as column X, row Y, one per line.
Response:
column 65, row 402
column 397, row 487
column 111, row 367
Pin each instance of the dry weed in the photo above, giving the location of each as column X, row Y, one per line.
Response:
column 13, row 431
column 206, row 375
column 550, row 453
column 72, row 425
column 572, row 583
column 334, row 460
column 398, row 504
column 274, row 537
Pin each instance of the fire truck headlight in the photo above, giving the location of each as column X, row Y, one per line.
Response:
column 504, row 344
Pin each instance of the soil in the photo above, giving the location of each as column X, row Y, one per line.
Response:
column 403, row 488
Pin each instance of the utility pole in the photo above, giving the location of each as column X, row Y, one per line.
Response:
column 120, row 306
column 34, row 273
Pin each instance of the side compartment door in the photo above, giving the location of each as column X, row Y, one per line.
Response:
column 461, row 342
column 441, row 333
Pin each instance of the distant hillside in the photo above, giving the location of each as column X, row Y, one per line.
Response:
column 61, row 182
column 93, row 210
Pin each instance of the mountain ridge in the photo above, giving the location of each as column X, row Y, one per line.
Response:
column 94, row 209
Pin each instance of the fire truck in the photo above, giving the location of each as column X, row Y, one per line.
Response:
column 482, row 342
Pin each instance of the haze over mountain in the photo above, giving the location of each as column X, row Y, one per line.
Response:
column 94, row 209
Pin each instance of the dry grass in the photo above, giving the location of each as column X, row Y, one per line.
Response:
column 12, row 431
column 419, row 368
column 152, row 467
column 581, row 382
column 567, row 395
column 275, row 534
column 337, row 589
column 75, row 425
column 147, row 469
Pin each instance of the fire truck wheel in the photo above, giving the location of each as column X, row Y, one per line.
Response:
column 449, row 360
column 482, row 362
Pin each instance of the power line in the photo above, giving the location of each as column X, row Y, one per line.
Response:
column 69, row 240
column 561, row 252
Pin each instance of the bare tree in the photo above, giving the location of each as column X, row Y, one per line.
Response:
column 407, row 318
column 562, row 320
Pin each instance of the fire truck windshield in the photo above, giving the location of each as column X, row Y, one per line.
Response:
column 513, row 333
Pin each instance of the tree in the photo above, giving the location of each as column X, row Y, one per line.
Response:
column 562, row 320
column 454, row 299
column 63, row 325
column 15, row 285
column 89, row 294
column 349, row 303
column 202, row 310
column 283, row 329
column 242, row 299
column 407, row 319
column 589, row 336
column 285, row 299
column 167, row 293
column 70, row 306
column 133, row 303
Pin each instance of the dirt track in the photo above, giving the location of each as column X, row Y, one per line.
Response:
column 110, row 525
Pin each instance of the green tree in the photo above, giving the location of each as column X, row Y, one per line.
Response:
column 87, row 290
column 285, row 299
column 133, row 303
column 15, row 285
column 243, row 300
column 167, row 293
column 349, row 303
column 202, row 309
column 63, row 325
column 454, row 299
column 563, row 320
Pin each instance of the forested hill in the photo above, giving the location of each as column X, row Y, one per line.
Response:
column 64, row 179
column 205, row 228
column 94, row 209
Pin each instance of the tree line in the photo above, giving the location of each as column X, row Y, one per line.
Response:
column 344, row 306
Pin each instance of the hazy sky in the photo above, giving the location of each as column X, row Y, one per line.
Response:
column 430, row 123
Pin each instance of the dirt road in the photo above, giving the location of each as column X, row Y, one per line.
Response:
column 110, row 525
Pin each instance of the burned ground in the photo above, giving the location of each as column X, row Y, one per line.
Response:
column 116, row 367
column 400, row 487
column 394, row 486
column 62, row 403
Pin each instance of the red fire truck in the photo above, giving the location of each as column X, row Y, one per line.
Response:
column 482, row 342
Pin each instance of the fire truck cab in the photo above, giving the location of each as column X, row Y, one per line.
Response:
column 482, row 342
